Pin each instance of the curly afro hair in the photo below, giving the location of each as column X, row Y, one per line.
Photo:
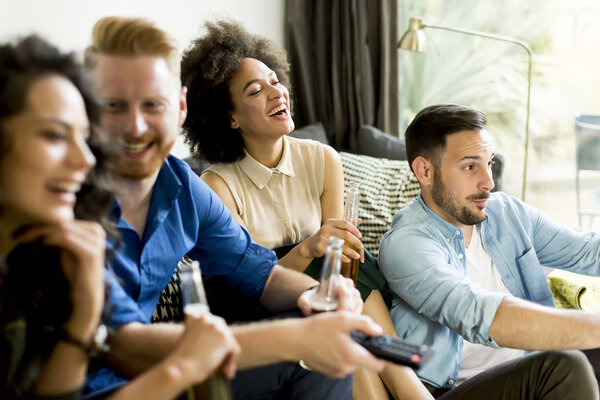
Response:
column 206, row 68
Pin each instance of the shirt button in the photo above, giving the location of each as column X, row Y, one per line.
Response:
column 285, row 223
column 448, row 240
column 460, row 256
column 457, row 232
column 450, row 381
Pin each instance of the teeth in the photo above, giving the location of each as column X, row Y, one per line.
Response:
column 65, row 186
column 135, row 147
column 275, row 111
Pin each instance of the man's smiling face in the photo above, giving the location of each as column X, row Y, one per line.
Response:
column 144, row 105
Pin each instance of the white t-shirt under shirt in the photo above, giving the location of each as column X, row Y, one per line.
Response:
column 477, row 358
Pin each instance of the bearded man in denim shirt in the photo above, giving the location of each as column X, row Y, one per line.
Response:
column 466, row 267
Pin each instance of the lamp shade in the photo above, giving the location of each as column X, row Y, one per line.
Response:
column 414, row 38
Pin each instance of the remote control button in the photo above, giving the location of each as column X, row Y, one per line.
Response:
column 415, row 358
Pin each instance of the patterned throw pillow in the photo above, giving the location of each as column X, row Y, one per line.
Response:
column 170, row 305
column 386, row 186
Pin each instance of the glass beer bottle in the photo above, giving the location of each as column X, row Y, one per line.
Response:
column 325, row 297
column 350, row 269
column 216, row 386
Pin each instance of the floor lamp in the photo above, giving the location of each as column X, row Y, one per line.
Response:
column 414, row 40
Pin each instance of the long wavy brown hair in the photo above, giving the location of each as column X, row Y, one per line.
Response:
column 22, row 63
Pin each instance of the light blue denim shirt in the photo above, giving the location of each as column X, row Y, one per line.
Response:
column 423, row 260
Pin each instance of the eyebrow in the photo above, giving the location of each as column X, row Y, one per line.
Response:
column 54, row 121
column 59, row 122
column 255, row 80
column 476, row 158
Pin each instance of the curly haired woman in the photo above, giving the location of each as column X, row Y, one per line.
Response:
column 284, row 191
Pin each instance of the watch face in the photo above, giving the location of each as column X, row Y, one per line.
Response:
column 99, row 344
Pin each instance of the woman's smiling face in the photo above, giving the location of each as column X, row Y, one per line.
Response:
column 47, row 157
column 261, row 105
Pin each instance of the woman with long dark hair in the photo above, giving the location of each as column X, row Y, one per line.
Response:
column 53, row 199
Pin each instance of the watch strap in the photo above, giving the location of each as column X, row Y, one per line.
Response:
column 94, row 346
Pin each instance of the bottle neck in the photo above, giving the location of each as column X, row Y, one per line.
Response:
column 351, row 206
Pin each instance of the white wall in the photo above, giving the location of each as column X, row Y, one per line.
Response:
column 68, row 23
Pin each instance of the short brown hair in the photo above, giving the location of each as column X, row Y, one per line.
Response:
column 125, row 36
column 426, row 134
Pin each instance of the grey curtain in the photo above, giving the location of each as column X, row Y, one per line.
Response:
column 344, row 65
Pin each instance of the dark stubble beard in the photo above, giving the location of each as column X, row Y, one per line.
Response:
column 448, row 202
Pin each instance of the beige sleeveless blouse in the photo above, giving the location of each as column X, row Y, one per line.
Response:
column 280, row 205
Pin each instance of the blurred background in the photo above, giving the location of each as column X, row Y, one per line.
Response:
column 563, row 34
column 565, row 38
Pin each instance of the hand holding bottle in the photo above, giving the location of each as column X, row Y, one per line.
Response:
column 222, row 350
column 316, row 245
column 334, row 291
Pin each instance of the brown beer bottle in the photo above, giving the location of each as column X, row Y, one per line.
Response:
column 350, row 269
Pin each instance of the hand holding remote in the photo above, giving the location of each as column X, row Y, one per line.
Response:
column 393, row 349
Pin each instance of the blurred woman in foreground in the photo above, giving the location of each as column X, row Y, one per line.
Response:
column 52, row 239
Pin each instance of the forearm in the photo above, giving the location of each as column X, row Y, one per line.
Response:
column 163, row 381
column 524, row 325
column 283, row 288
column 64, row 371
column 266, row 343
column 136, row 347
column 297, row 258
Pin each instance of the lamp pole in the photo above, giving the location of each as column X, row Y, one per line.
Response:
column 410, row 41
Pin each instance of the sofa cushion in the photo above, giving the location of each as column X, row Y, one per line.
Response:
column 314, row 131
column 386, row 187
column 375, row 143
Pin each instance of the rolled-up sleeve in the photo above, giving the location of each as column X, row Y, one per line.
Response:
column 120, row 309
column 561, row 247
column 227, row 249
column 419, row 272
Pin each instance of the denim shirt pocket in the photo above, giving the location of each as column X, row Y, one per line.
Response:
column 533, row 278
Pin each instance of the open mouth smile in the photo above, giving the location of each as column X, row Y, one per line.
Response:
column 136, row 148
column 64, row 187
column 280, row 110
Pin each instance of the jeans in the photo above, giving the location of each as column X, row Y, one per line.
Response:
column 278, row 381
column 289, row 381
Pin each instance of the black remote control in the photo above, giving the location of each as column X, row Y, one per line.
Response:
column 393, row 349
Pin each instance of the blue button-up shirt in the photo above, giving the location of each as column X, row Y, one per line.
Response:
column 185, row 218
column 423, row 259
